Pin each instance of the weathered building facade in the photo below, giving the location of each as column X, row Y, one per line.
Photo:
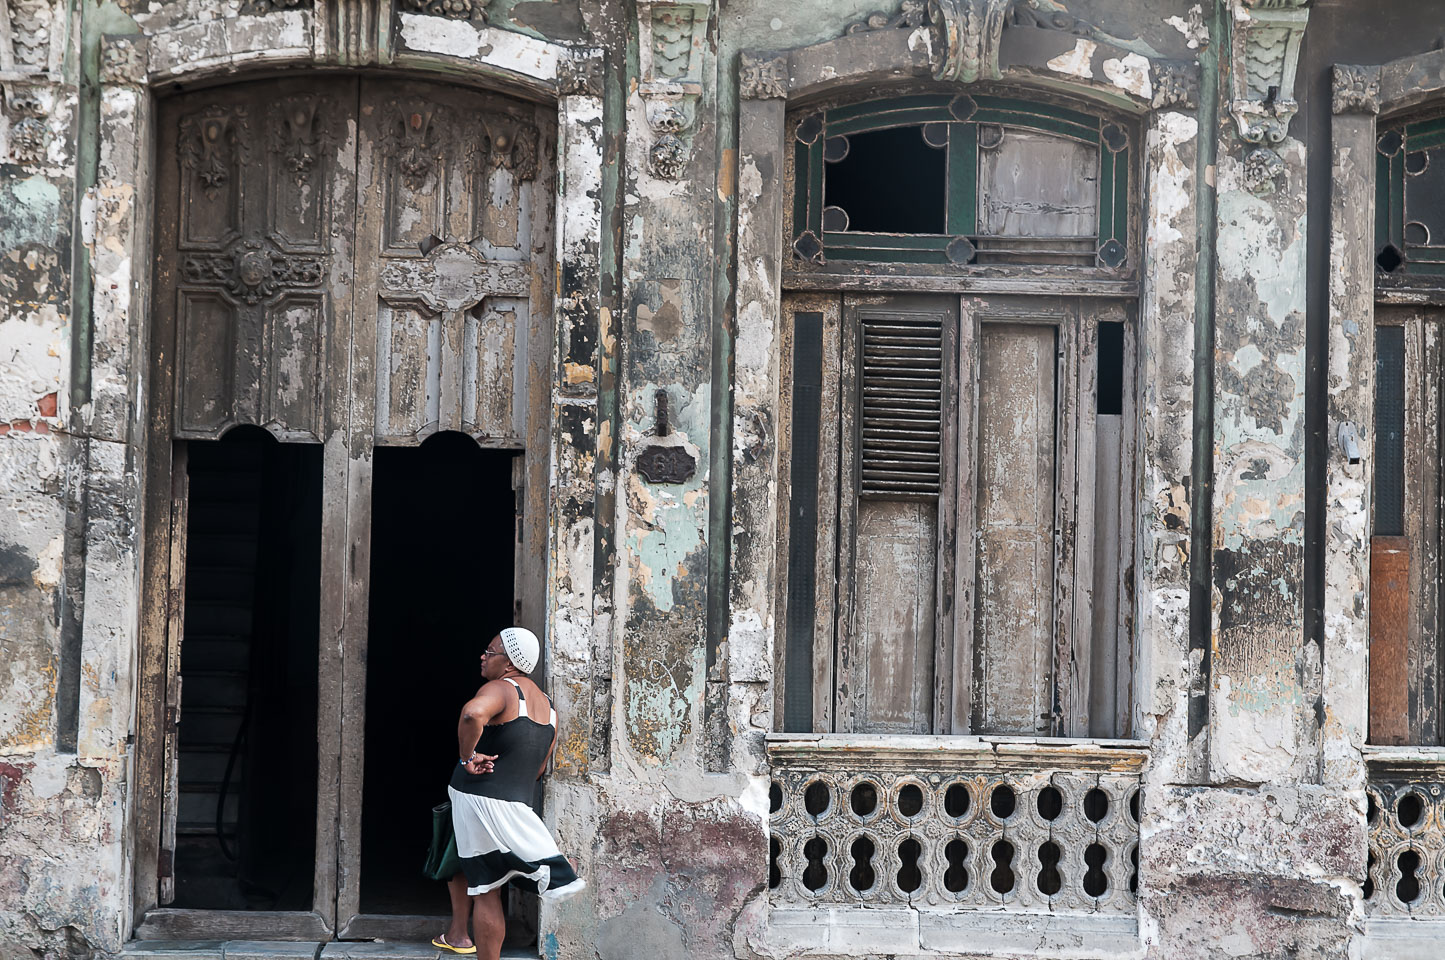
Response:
column 974, row 465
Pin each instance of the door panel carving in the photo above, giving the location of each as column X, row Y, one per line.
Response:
column 448, row 277
column 260, row 257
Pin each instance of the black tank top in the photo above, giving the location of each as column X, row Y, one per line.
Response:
column 520, row 746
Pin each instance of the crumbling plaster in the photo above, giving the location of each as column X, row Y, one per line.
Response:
column 673, row 840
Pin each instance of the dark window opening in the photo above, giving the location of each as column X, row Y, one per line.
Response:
column 885, row 181
column 1390, row 431
column 443, row 535
column 1110, row 397
column 246, row 820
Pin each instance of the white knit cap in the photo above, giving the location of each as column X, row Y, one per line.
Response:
column 521, row 647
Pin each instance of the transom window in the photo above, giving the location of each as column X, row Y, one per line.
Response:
column 1410, row 199
column 959, row 179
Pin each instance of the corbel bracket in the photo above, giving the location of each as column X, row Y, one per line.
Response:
column 671, row 39
column 1267, row 35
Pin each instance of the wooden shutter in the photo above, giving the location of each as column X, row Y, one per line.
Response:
column 1015, row 501
column 889, row 523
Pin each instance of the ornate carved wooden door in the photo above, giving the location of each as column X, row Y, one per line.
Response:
column 343, row 262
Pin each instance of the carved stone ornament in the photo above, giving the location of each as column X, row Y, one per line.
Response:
column 670, row 47
column 762, row 78
column 29, row 133
column 123, row 59
column 475, row 10
column 910, row 16
column 1262, row 169
column 1265, row 56
column 668, row 157
column 580, row 77
column 1176, row 84
column 252, row 270
column 966, row 34
column 666, row 464
column 1355, row 89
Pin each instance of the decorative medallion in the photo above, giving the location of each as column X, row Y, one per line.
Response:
column 453, row 277
column 253, row 270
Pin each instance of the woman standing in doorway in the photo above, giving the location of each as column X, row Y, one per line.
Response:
column 505, row 738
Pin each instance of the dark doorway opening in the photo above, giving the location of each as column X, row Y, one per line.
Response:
column 443, row 544
column 246, row 765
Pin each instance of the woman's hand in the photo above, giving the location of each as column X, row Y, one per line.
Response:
column 479, row 763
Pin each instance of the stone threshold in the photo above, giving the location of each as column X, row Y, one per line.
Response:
column 294, row 950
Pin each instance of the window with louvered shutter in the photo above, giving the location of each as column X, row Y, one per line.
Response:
column 973, row 533
column 901, row 402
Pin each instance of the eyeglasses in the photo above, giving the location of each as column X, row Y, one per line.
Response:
column 491, row 653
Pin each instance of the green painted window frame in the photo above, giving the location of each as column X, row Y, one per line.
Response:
column 962, row 114
column 1392, row 143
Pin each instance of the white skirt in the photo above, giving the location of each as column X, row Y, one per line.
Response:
column 502, row 840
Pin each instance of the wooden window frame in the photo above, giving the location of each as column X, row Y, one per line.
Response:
column 1074, row 604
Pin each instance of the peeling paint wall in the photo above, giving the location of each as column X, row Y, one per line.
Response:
column 668, row 445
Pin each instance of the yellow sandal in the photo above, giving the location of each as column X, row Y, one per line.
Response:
column 440, row 940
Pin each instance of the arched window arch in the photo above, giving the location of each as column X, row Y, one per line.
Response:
column 951, row 179
column 961, row 460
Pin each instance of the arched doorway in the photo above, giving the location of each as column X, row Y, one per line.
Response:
column 351, row 265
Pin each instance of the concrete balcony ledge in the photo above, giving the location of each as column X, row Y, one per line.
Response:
column 291, row 950
column 1402, row 939
column 837, row 932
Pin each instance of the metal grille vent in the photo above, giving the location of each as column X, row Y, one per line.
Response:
column 902, row 386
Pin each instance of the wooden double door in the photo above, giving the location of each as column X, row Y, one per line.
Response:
column 346, row 268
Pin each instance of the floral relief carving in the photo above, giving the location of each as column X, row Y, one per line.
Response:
column 300, row 135
column 1176, row 84
column 212, row 142
column 580, row 77
column 411, row 141
column 123, row 60
column 1355, row 89
column 451, row 9
column 1262, row 169
column 668, row 157
column 762, row 78
column 513, row 144
column 29, row 134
